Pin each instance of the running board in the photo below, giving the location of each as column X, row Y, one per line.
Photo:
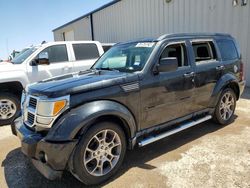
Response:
column 173, row 131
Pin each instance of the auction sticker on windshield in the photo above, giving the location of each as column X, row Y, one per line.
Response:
column 145, row 45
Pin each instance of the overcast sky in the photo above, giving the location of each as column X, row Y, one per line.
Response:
column 27, row 22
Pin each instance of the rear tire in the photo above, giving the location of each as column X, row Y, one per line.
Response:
column 99, row 153
column 225, row 108
column 9, row 108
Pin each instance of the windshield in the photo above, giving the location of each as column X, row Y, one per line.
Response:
column 23, row 55
column 130, row 57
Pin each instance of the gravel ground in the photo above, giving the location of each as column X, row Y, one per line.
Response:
column 203, row 156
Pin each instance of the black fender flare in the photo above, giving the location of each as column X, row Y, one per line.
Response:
column 69, row 125
column 223, row 82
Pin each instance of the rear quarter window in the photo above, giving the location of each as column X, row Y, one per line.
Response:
column 85, row 51
column 228, row 50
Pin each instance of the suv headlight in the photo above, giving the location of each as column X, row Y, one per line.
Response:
column 50, row 108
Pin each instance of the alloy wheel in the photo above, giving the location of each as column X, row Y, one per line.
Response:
column 227, row 106
column 102, row 152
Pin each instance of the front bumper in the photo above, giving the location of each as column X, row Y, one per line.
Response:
column 50, row 158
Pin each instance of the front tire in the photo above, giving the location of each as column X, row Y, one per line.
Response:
column 99, row 153
column 9, row 108
column 225, row 108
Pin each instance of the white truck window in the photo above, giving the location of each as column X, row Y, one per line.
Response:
column 57, row 53
column 85, row 51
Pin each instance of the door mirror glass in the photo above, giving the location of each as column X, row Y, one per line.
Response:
column 43, row 58
column 168, row 64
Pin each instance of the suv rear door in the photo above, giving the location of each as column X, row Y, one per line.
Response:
column 85, row 54
column 208, row 70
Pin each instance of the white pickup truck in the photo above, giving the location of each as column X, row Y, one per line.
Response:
column 38, row 63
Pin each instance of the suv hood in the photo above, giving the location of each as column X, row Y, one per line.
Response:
column 80, row 82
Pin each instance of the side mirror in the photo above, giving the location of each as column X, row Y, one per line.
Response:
column 43, row 59
column 167, row 64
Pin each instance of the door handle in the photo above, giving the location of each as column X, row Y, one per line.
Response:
column 219, row 68
column 189, row 75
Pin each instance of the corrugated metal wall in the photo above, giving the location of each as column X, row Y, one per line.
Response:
column 81, row 28
column 247, row 52
column 131, row 19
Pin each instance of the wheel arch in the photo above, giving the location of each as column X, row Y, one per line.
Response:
column 109, row 118
column 235, row 87
column 226, row 81
column 77, row 121
column 14, row 87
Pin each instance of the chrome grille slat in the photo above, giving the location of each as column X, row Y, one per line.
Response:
column 33, row 102
column 30, row 107
column 31, row 118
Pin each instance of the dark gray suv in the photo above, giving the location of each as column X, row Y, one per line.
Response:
column 137, row 93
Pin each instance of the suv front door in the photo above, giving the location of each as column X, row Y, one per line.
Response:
column 168, row 95
column 59, row 64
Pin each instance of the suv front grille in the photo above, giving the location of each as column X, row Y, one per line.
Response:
column 31, row 118
column 33, row 102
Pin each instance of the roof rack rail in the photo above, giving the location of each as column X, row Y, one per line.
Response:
column 191, row 35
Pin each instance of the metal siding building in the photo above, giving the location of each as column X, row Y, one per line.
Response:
column 81, row 31
column 123, row 20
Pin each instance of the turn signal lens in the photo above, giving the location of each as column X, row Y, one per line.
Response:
column 58, row 106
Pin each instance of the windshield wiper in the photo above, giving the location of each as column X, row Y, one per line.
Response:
column 107, row 68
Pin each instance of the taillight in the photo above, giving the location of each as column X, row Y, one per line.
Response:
column 241, row 71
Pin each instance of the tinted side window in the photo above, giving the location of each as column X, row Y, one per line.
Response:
column 176, row 50
column 227, row 49
column 106, row 48
column 204, row 51
column 57, row 53
column 85, row 51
